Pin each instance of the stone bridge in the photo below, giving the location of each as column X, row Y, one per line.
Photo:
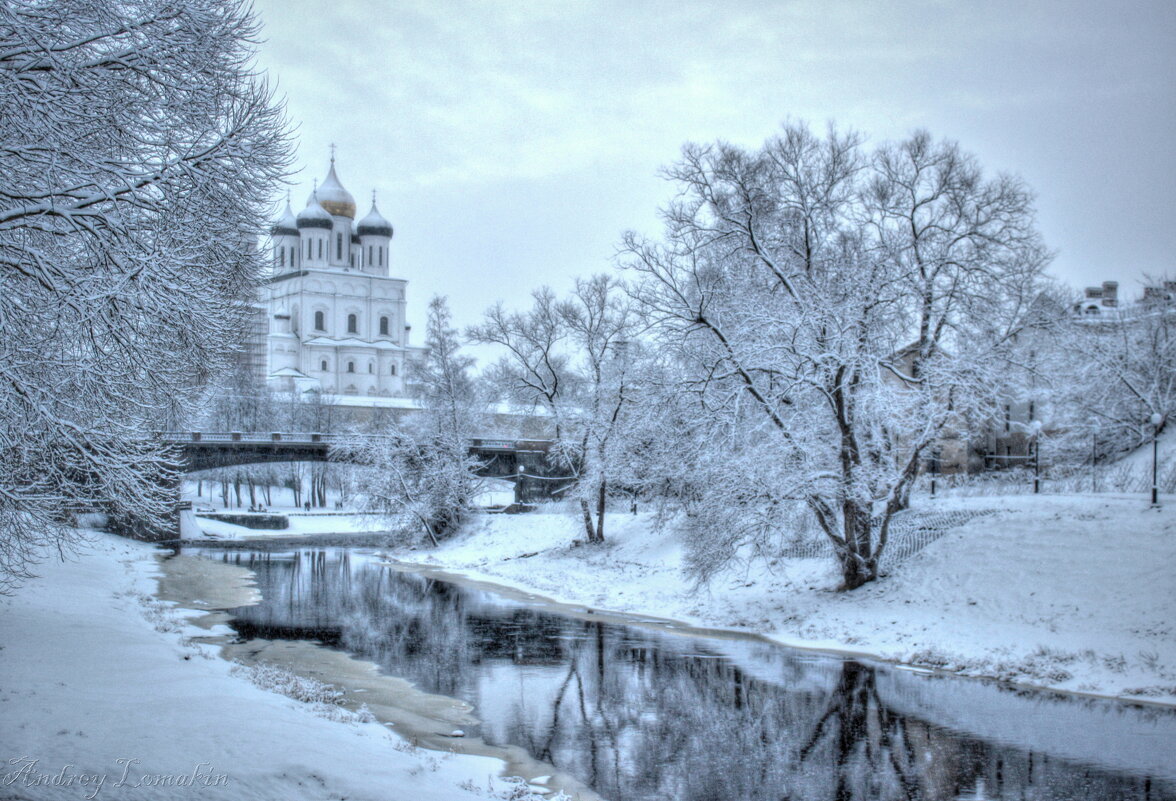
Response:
column 501, row 458
column 525, row 463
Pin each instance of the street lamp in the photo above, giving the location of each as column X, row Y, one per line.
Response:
column 1156, row 419
column 1035, row 427
column 1093, row 453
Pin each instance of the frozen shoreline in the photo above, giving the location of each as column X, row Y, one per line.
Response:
column 1072, row 593
column 105, row 694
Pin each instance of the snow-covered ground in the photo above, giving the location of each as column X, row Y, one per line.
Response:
column 104, row 695
column 301, row 524
column 1071, row 592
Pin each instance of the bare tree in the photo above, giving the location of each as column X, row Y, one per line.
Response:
column 139, row 149
column 845, row 308
column 601, row 325
column 572, row 359
column 535, row 372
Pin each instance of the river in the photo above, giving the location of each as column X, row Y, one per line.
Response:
column 628, row 708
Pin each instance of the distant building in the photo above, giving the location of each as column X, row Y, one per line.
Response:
column 1159, row 295
column 336, row 315
column 1098, row 299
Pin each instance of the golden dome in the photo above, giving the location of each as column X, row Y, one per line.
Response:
column 334, row 198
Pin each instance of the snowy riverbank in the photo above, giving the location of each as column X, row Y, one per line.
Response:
column 1070, row 592
column 104, row 695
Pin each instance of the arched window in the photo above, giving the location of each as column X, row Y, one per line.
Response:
column 352, row 324
column 371, row 368
column 320, row 249
column 339, row 246
column 381, row 256
column 394, row 369
column 383, row 326
column 320, row 323
column 324, row 367
column 369, row 261
column 281, row 257
column 351, row 367
column 291, row 255
column 309, row 245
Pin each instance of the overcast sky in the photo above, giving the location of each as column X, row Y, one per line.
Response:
column 511, row 143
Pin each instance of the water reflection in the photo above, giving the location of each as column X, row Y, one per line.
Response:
column 641, row 714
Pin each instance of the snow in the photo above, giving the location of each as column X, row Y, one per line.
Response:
column 1139, row 461
column 1070, row 592
column 99, row 678
column 300, row 525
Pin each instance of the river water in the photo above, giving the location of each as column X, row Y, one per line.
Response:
column 639, row 710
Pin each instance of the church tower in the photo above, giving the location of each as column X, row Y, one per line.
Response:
column 336, row 311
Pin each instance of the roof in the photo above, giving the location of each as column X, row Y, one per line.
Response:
column 314, row 215
column 374, row 224
column 288, row 372
column 287, row 224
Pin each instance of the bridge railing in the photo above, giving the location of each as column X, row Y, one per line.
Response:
column 476, row 443
column 247, row 437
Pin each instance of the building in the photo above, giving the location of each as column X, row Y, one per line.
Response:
column 1097, row 299
column 336, row 313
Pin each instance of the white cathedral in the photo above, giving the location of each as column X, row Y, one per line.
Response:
column 336, row 316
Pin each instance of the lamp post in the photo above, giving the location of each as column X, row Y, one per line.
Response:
column 1035, row 427
column 1156, row 419
column 1093, row 453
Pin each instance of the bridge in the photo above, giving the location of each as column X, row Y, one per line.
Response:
column 526, row 463
column 206, row 450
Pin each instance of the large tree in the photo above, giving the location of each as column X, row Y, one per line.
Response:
column 140, row 149
column 838, row 312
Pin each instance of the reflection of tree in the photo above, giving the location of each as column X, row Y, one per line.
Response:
column 861, row 728
column 642, row 716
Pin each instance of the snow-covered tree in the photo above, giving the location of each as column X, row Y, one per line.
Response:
column 573, row 359
column 838, row 312
column 139, row 150
column 1111, row 373
column 419, row 467
column 601, row 326
column 535, row 373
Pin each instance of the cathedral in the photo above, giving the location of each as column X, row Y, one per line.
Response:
column 336, row 315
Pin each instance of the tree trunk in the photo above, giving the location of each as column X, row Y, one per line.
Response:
column 601, row 502
column 589, row 531
column 859, row 562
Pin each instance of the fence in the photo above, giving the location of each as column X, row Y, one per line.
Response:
column 910, row 532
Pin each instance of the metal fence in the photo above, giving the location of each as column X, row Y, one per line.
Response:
column 910, row 532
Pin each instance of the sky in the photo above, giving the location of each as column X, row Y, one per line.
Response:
column 512, row 143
